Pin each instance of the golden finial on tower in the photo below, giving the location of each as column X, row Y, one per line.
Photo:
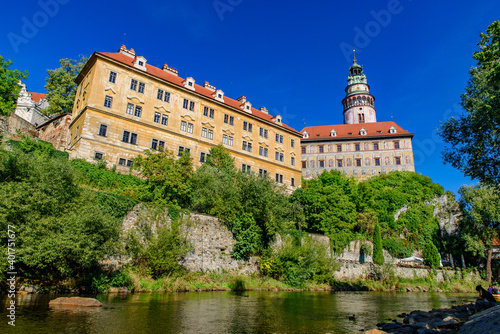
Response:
column 354, row 53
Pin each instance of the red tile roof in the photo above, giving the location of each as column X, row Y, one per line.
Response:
column 159, row 73
column 37, row 96
column 379, row 129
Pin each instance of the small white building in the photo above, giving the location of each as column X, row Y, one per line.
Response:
column 29, row 106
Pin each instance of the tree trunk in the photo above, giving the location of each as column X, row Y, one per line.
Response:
column 488, row 265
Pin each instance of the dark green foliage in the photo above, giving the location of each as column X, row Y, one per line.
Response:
column 37, row 147
column 254, row 208
column 96, row 176
column 168, row 179
column 9, row 89
column 61, row 86
column 378, row 253
column 157, row 245
column 431, row 255
column 299, row 260
column 103, row 281
column 329, row 206
column 474, row 143
column 398, row 247
column 62, row 231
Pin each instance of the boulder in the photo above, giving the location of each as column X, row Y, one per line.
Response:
column 75, row 301
column 375, row 331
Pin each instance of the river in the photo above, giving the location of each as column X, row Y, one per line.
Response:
column 223, row 312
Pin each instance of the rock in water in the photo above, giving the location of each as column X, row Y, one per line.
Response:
column 75, row 301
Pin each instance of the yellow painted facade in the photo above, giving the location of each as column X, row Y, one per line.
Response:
column 105, row 111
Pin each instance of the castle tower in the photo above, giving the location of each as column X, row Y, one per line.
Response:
column 358, row 103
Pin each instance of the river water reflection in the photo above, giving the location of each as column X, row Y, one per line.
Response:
column 223, row 312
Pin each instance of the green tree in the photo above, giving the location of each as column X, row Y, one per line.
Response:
column 220, row 158
column 9, row 88
column 481, row 217
column 61, row 87
column 329, row 206
column 431, row 255
column 474, row 137
column 378, row 253
column 168, row 178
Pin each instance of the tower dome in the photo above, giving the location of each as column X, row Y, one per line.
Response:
column 358, row 103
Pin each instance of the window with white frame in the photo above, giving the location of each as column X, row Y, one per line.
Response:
column 112, row 77
column 157, row 117
column 108, row 101
column 164, row 119
column 208, row 112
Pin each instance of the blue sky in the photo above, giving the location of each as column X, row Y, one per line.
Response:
column 291, row 57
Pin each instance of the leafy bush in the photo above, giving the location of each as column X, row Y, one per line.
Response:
column 431, row 255
column 398, row 247
column 298, row 261
column 378, row 253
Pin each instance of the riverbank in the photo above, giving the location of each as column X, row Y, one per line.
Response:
column 448, row 320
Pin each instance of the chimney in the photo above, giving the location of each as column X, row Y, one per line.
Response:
column 209, row 86
column 170, row 70
column 130, row 53
column 242, row 99
column 264, row 110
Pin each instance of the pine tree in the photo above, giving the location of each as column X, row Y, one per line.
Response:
column 431, row 255
column 378, row 254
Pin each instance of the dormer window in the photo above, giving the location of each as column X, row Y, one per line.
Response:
column 333, row 133
column 247, row 106
column 349, row 134
column 189, row 83
column 277, row 119
column 305, row 135
column 362, row 132
column 219, row 95
column 140, row 63
column 392, row 130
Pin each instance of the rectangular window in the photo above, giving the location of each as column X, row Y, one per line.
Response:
column 375, row 146
column 262, row 172
column 358, row 162
column 245, row 126
column 129, row 163
column 130, row 109
column 102, row 130
column 276, row 156
column 321, row 164
column 282, row 157
column 161, row 143
column 202, row 157
column 230, row 141
column 166, row 97
column 204, row 132
column 122, row 162
column 281, row 139
column 133, row 138
column 183, row 149
column 141, row 87
column 250, row 125
column 190, row 128
column 261, row 150
column 231, row 120
column 339, row 148
column 154, row 144
column 191, row 105
column 98, row 155
column 396, row 145
column 157, row 117
column 292, row 142
column 339, row 163
column 304, row 164
column 244, row 146
column 279, row 178
column 108, row 101
column 303, row 149
column 321, row 149
column 208, row 112
column 126, row 136
column 133, row 84
column 185, row 104
column 183, row 126
column 293, row 161
column 159, row 96
column 293, row 182
column 246, row 168
column 398, row 161
column 164, row 119
column 210, row 134
column 112, row 77
column 377, row 161
column 226, row 119
column 356, row 147
column 261, row 132
column 138, row 111
column 224, row 139
column 249, row 147
column 265, row 152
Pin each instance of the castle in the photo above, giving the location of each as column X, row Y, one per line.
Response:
column 361, row 147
